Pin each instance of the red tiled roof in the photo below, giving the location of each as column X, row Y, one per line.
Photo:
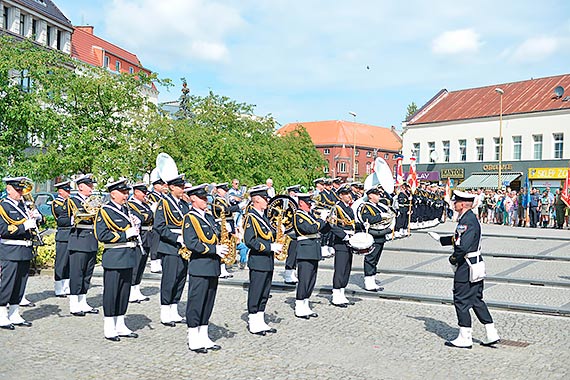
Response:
column 337, row 132
column 535, row 95
column 84, row 46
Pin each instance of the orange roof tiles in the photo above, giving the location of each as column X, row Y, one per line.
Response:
column 535, row 95
column 338, row 132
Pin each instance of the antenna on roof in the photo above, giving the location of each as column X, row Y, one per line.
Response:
column 558, row 92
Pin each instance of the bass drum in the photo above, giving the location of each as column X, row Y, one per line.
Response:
column 361, row 243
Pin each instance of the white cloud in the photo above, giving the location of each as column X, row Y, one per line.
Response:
column 170, row 30
column 535, row 49
column 456, row 42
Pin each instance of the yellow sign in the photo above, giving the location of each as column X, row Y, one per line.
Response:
column 495, row 167
column 548, row 173
column 452, row 173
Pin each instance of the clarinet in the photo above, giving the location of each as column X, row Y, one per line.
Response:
column 133, row 220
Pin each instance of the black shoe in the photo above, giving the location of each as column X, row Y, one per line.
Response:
column 449, row 344
column 341, row 305
column 215, row 347
column 290, row 283
column 169, row 324
column 79, row 314
column 114, row 339
column 271, row 331
column 23, row 324
column 31, row 304
column 183, row 321
column 200, row 350
column 61, row 295
column 8, row 327
column 135, row 301
column 145, row 299
column 314, row 315
column 262, row 333
column 130, row 335
column 92, row 311
column 302, row 316
column 490, row 344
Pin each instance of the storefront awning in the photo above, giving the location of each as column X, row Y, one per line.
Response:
column 487, row 181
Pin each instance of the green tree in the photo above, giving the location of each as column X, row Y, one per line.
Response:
column 411, row 110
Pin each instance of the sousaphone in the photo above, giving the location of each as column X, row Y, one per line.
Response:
column 284, row 207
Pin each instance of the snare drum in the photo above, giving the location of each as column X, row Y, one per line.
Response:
column 361, row 243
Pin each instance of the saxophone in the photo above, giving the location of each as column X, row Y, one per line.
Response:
column 228, row 240
column 281, row 238
column 185, row 253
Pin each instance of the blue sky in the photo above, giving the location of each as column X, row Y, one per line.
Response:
column 321, row 59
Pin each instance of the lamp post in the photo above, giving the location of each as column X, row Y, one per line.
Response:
column 353, row 114
column 501, row 93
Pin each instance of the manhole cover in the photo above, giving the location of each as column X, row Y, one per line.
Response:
column 513, row 343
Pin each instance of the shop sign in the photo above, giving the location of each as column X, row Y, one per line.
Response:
column 453, row 173
column 425, row 176
column 547, row 173
column 495, row 167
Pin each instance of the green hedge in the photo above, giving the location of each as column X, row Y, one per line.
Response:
column 45, row 257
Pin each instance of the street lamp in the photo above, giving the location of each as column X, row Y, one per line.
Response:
column 501, row 93
column 353, row 114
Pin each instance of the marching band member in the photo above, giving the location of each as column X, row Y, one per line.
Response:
column 343, row 253
column 168, row 224
column 201, row 234
column 139, row 208
column 466, row 294
column 62, row 216
column 82, row 248
column 16, row 252
column 308, row 229
column 154, row 196
column 114, row 228
column 260, row 239
column 373, row 214
column 336, row 184
column 290, row 275
column 325, row 198
column 221, row 203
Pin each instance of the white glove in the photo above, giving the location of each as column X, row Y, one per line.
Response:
column 434, row 235
column 131, row 232
column 228, row 226
column 349, row 232
column 276, row 247
column 153, row 207
column 346, row 238
column 221, row 250
column 324, row 214
column 180, row 240
column 30, row 224
column 36, row 214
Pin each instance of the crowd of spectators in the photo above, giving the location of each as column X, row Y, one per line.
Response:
column 517, row 209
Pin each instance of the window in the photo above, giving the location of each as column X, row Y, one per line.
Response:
column 416, row 152
column 118, row 66
column 106, row 62
column 497, row 148
column 356, row 152
column 356, row 167
column 22, row 24
column 395, row 156
column 386, row 155
column 431, row 149
column 446, row 151
column 34, row 29
column 326, row 169
column 462, row 150
column 326, row 151
column 558, row 144
column 368, row 167
column 131, row 70
column 369, row 154
column 517, row 147
column 48, row 40
column 59, row 40
column 537, row 141
column 341, row 167
column 5, row 18
column 479, row 145
column 25, row 81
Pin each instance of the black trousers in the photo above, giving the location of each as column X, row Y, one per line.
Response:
column 201, row 298
column 116, row 291
column 307, row 274
column 140, row 265
column 291, row 260
column 258, row 292
column 61, row 270
column 342, row 266
column 533, row 216
column 81, row 265
column 13, row 279
column 174, row 271
column 467, row 295
column 371, row 260
column 154, row 242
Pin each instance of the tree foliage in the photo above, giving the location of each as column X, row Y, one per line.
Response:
column 75, row 118
column 411, row 110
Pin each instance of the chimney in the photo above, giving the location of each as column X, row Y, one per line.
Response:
column 86, row 28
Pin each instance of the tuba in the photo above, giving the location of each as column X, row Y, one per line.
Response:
column 30, row 205
column 281, row 214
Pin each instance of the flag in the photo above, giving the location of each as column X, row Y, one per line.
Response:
column 413, row 175
column 526, row 197
column 565, row 189
column 399, row 171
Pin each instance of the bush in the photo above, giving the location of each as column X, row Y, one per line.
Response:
column 45, row 257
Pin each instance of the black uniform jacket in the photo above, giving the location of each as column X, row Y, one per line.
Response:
column 144, row 213
column 12, row 218
column 154, row 196
column 373, row 214
column 258, row 236
column 345, row 222
column 306, row 226
column 62, row 215
column 168, row 224
column 467, row 239
column 201, row 235
column 81, row 237
column 111, row 225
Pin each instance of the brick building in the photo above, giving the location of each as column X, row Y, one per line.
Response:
column 344, row 144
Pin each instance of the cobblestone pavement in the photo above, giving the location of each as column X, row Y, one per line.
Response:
column 374, row 339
